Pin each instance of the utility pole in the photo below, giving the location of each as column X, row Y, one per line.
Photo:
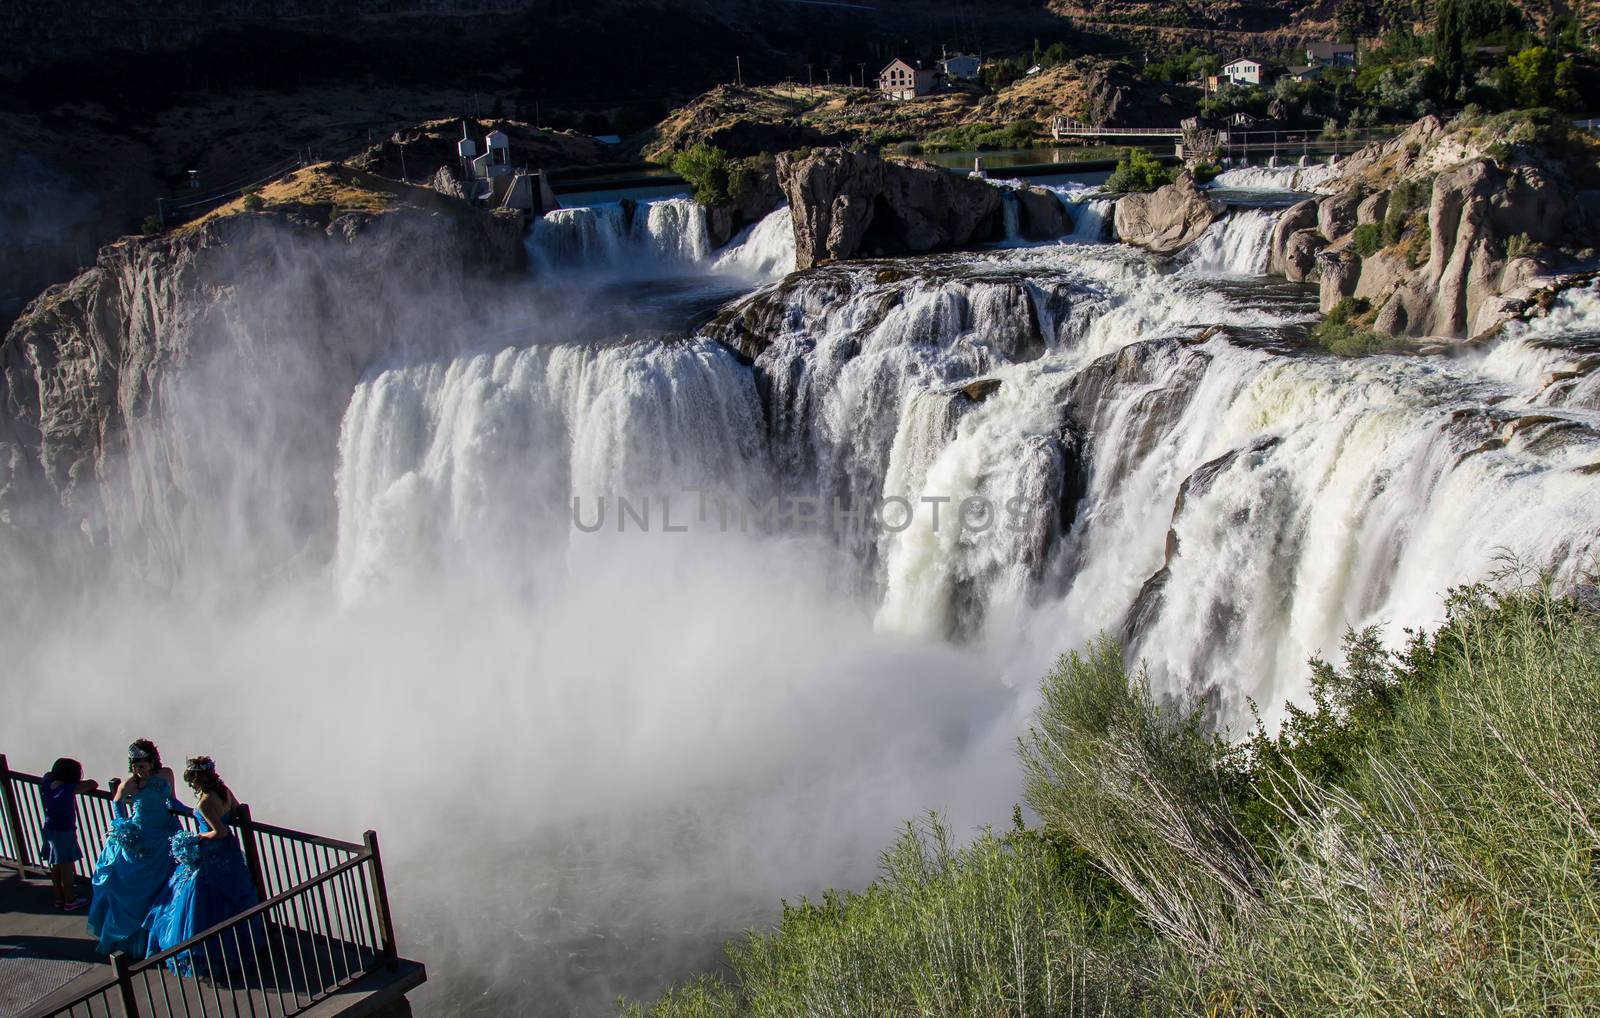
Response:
column 405, row 176
column 863, row 67
column 738, row 71
column 829, row 72
column 809, row 87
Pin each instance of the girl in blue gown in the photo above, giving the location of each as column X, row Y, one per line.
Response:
column 133, row 868
column 211, row 884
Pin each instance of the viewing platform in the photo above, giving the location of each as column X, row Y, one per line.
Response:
column 320, row 943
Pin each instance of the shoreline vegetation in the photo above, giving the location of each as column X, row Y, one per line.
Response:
column 1419, row 838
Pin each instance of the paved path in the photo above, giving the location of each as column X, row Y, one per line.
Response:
column 41, row 950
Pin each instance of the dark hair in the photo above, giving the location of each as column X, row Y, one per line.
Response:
column 66, row 770
column 143, row 748
column 200, row 774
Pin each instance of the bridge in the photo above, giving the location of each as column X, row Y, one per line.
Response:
column 319, row 944
column 1066, row 127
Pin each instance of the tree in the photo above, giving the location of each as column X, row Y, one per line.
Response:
column 706, row 167
column 1449, row 46
column 1536, row 76
column 1138, row 170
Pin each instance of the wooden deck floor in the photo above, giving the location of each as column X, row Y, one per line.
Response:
column 47, row 958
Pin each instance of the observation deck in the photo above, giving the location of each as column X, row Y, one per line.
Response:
column 320, row 943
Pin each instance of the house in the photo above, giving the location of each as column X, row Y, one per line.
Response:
column 961, row 67
column 1309, row 72
column 900, row 80
column 1331, row 54
column 1247, row 71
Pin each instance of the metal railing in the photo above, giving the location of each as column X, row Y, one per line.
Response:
column 323, row 920
column 1067, row 127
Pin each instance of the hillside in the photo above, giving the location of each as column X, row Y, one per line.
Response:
column 748, row 120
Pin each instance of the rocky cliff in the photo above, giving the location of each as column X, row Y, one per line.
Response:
column 1429, row 227
column 846, row 204
column 107, row 382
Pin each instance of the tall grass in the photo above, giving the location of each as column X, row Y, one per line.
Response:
column 1421, row 838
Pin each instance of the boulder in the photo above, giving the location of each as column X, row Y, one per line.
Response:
column 1169, row 218
column 1300, row 255
column 845, row 204
column 1381, row 274
column 1294, row 219
column 1336, row 215
column 1372, row 208
column 759, row 196
column 1040, row 215
column 1340, row 269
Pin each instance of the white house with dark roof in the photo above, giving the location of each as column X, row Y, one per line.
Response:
column 899, row 80
column 1247, row 71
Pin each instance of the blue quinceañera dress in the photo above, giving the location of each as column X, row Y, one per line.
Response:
column 133, row 869
column 211, row 885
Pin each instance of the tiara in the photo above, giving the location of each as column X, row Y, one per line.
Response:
column 138, row 752
column 202, row 765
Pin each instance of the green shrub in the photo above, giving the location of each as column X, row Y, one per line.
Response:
column 1520, row 245
column 706, row 168
column 1138, row 170
column 1367, row 239
column 151, row 225
column 1343, row 332
column 253, row 201
column 1205, row 172
column 1011, row 924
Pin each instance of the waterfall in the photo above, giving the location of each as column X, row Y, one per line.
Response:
column 591, row 235
column 763, row 251
column 1227, row 509
column 1275, row 178
column 474, row 461
column 1090, row 219
column 1238, row 244
column 1010, row 215
column 672, row 230
column 663, row 234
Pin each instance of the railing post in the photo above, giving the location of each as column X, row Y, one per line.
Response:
column 130, row 1004
column 380, row 895
column 12, row 819
column 252, row 850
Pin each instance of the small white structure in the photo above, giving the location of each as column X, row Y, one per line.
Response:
column 1245, row 71
column 900, row 80
column 961, row 67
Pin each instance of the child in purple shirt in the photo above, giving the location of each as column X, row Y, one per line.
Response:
column 60, row 849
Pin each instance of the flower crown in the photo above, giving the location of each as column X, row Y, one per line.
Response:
column 202, row 764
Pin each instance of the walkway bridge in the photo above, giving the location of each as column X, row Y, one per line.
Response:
column 1066, row 127
column 320, row 944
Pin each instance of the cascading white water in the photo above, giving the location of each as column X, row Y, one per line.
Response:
column 1010, row 217
column 478, row 458
column 1275, row 178
column 763, row 251
column 661, row 234
column 1238, row 244
column 1090, row 219
column 1336, row 490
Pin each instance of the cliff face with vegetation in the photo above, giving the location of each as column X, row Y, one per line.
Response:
column 1427, row 230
